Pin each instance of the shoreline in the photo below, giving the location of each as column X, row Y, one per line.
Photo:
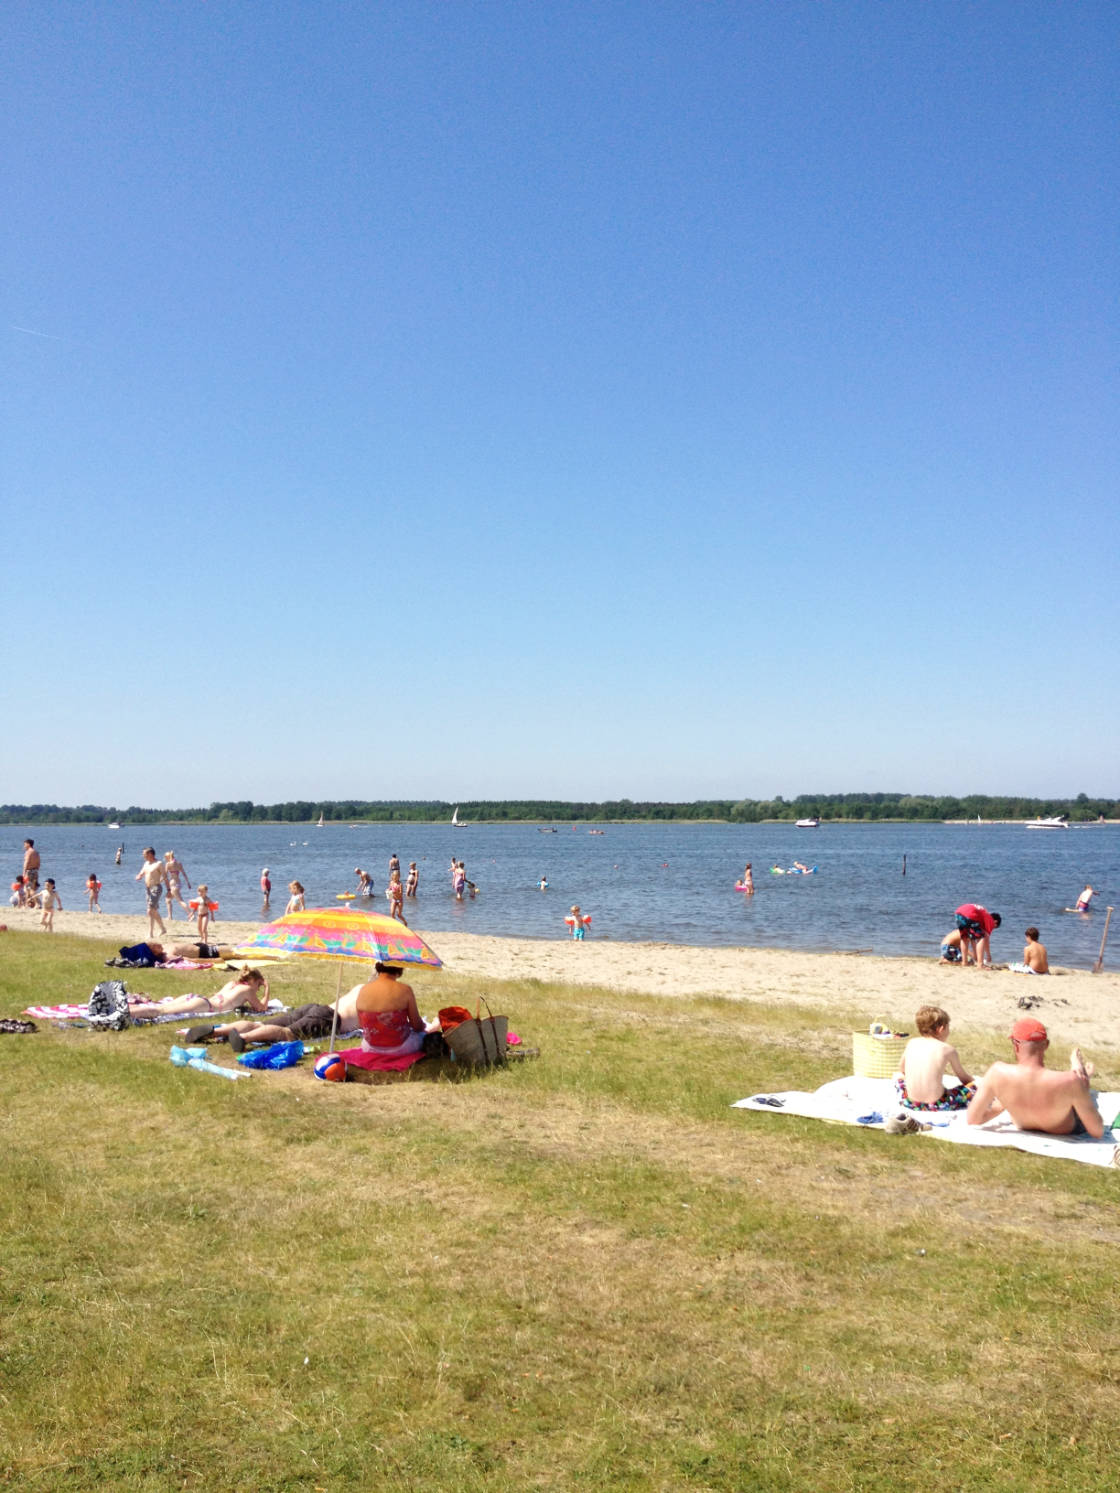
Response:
column 1075, row 1006
column 156, row 824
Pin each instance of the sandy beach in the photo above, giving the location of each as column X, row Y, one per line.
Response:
column 1076, row 1006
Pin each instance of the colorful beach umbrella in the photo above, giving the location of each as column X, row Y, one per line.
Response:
column 345, row 935
column 341, row 933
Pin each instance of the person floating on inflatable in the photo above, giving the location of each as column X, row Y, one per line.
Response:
column 542, row 885
column 578, row 922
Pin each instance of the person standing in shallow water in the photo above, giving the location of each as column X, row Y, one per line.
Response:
column 173, row 872
column 395, row 893
column 31, row 863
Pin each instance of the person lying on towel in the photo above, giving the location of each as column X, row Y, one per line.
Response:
column 296, row 1023
column 249, row 989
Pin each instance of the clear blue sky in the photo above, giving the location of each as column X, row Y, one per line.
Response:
column 581, row 400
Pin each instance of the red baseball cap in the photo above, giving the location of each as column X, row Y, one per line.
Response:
column 1028, row 1030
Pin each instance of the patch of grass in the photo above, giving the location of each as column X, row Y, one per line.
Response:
column 583, row 1272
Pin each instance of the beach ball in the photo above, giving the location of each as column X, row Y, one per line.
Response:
column 332, row 1067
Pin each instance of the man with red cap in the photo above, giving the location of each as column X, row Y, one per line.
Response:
column 1036, row 1097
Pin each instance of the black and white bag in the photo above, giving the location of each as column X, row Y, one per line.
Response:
column 108, row 1006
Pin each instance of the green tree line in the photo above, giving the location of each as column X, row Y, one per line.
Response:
column 837, row 807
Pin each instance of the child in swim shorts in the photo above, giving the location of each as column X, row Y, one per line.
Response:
column 919, row 1080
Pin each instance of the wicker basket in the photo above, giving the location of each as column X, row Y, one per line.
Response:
column 876, row 1057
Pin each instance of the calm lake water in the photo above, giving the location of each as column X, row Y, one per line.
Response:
column 668, row 883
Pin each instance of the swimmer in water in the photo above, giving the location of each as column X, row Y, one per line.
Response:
column 748, row 880
column 542, row 885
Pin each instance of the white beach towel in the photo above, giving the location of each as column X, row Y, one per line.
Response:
column 846, row 1101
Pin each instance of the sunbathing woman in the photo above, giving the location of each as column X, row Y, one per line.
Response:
column 249, row 989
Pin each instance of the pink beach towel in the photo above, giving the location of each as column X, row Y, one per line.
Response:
column 374, row 1063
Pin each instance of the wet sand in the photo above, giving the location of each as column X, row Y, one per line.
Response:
column 1076, row 1006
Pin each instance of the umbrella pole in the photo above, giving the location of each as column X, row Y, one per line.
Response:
column 334, row 1019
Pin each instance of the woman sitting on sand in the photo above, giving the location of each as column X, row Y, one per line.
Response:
column 249, row 989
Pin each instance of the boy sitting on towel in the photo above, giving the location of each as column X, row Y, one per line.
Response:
column 924, row 1060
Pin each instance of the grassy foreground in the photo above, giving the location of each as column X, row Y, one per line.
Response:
column 585, row 1272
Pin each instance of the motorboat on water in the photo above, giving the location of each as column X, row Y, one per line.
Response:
column 808, row 824
column 1055, row 821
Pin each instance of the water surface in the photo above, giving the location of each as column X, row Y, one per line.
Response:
column 657, row 882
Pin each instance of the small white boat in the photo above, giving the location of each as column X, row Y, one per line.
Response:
column 113, row 826
column 456, row 822
column 1055, row 821
column 807, row 824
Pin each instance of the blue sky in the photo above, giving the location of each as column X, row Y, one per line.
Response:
column 489, row 400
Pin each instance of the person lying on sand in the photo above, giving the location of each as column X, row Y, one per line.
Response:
column 1035, row 1097
column 248, row 989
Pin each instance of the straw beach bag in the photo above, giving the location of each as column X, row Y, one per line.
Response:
column 481, row 1041
column 876, row 1056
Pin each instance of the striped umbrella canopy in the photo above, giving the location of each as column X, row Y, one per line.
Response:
column 344, row 934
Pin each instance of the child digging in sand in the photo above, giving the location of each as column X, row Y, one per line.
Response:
column 924, row 1060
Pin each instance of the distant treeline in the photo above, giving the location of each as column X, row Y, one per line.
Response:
column 865, row 807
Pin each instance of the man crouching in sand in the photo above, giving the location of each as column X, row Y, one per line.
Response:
column 1036, row 1097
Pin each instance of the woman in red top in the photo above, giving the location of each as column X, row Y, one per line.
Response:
column 387, row 1013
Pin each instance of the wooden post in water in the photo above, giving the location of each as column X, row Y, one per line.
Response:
column 1104, row 939
column 904, row 865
